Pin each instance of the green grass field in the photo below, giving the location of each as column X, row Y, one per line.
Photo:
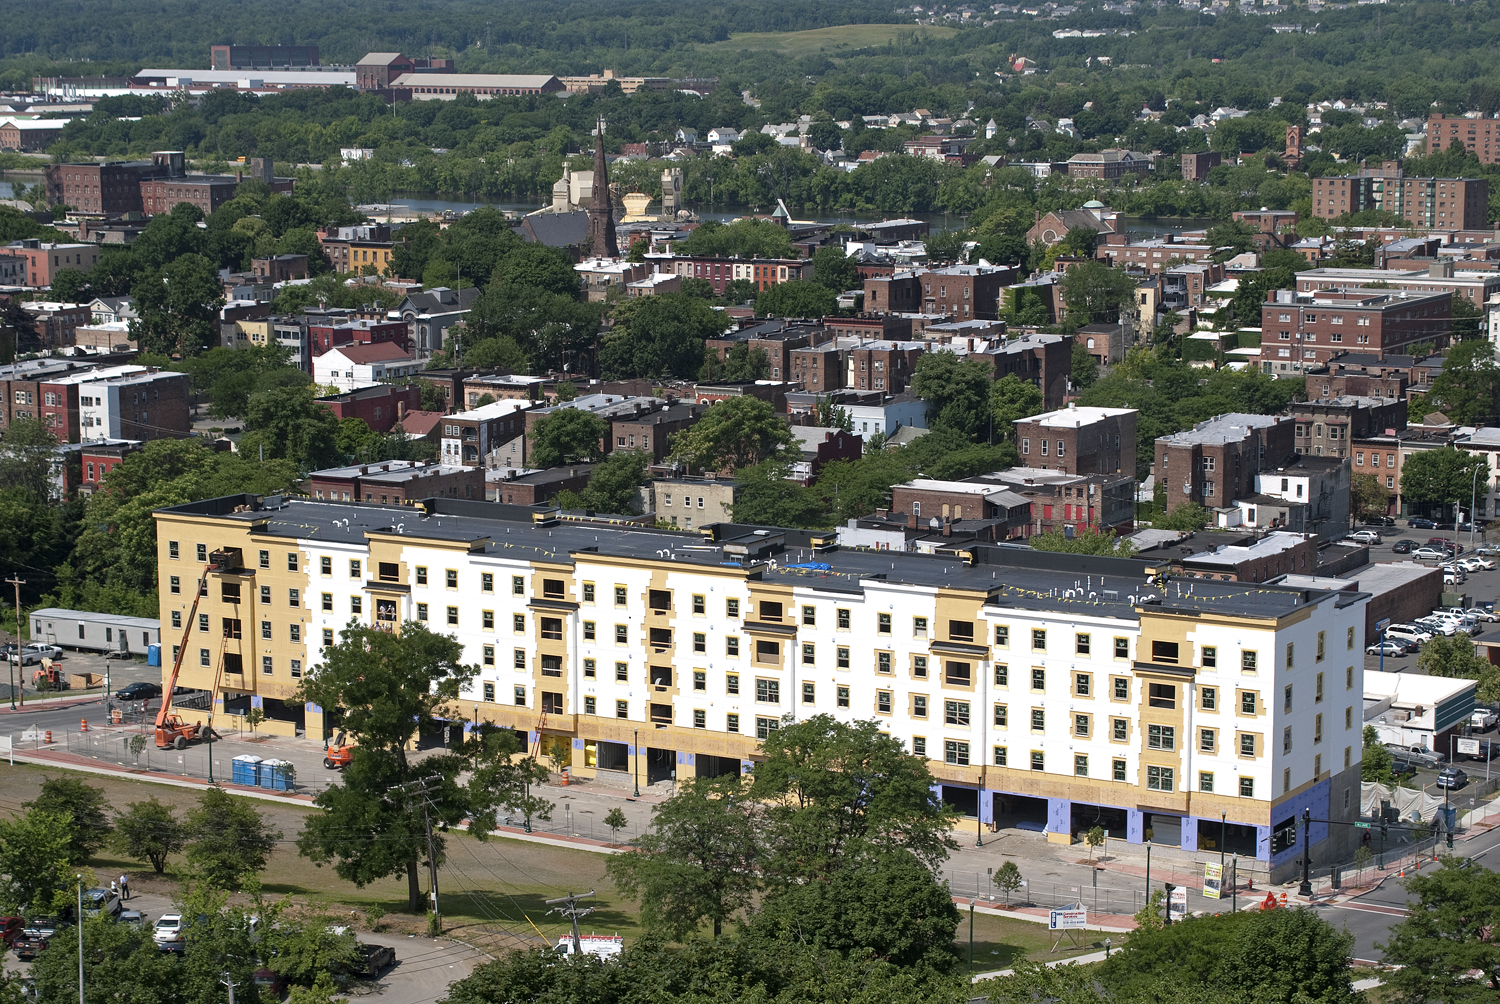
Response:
column 490, row 891
column 845, row 37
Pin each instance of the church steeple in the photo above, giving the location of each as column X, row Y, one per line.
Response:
column 601, row 211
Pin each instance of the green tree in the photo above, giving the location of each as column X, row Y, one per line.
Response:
column 616, row 822
column 956, row 391
column 768, row 497
column 1085, row 368
column 740, row 239
column 178, row 304
column 290, row 424
column 121, row 963
column 1468, row 388
column 567, row 436
column 1446, row 936
column 1094, row 292
column 659, row 336
column 1287, row 957
column 36, row 870
column 795, row 299
column 26, row 458
column 1187, row 517
column 149, row 831
column 834, row 269
column 1083, row 542
column 538, row 266
column 1466, row 319
column 734, row 433
column 1442, row 476
column 1368, row 497
column 698, row 864
column 740, row 364
column 84, row 805
column 1095, row 839
column 1230, row 238
column 1008, row 879
column 228, row 839
column 1456, row 657
column 1012, row 399
column 1375, row 761
column 390, row 686
column 614, row 484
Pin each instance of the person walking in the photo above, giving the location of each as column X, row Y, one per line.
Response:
column 113, row 891
column 124, row 888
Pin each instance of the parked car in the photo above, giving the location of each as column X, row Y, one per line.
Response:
column 43, row 927
column 1429, row 553
column 138, row 691
column 29, row 946
column 1408, row 632
column 97, row 901
column 1451, row 778
column 133, row 917
column 1480, row 613
column 41, row 651
column 1483, row 718
column 375, row 959
column 1439, row 626
column 1487, row 550
column 10, row 929
column 1379, row 521
column 1400, row 766
column 1364, row 536
column 1389, row 647
column 1403, row 546
column 1419, row 755
column 1421, row 523
column 1453, row 577
column 270, row 983
column 167, row 932
column 1447, row 542
column 9, row 654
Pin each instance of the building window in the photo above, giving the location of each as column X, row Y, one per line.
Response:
column 883, row 702
column 1161, row 737
column 422, row 575
column 732, row 646
column 1117, row 770
column 1038, row 679
column 1039, row 639
column 1002, row 636
column 1247, row 702
column 356, row 605
column 1247, row 787
column 765, row 726
column 173, row 552
column 1081, row 644
column 956, row 753
column 588, row 592
column 421, row 607
column 518, row 658
column 1159, row 778
column 1081, row 726
column 1206, row 781
column 1002, row 675
column 1080, row 765
column 1038, row 720
column 1122, row 648
column 841, row 657
column 1206, row 740
column 453, row 616
column 1210, row 657
column 1082, row 683
column 1247, row 745
column 328, row 637
column 489, row 655
column 1038, row 760
column 267, row 665
column 956, row 713
column 884, row 624
column 767, row 691
column 731, row 723
column 1248, row 660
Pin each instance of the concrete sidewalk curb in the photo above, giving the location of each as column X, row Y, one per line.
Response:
column 1076, row 960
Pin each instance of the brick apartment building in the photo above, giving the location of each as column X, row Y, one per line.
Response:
column 56, row 324
column 1195, row 166
column 30, row 135
column 422, row 86
column 1305, row 330
column 1108, row 164
column 653, row 431
column 380, row 407
column 778, row 339
column 1094, row 503
column 1080, row 440
column 1217, row 460
column 1154, row 255
column 1479, row 136
column 279, row 268
column 96, row 460
column 44, row 261
column 1439, row 277
column 1043, row 360
column 111, row 188
column 950, row 502
column 1360, row 375
column 868, row 327
column 897, row 293
column 468, row 436
column 397, row 482
column 965, row 292
column 886, row 366
column 720, row 272
column 323, row 337
column 540, row 487
column 12, row 268
column 1328, row 427
column 1449, row 203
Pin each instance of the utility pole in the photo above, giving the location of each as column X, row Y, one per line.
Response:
column 423, row 789
column 15, row 663
column 78, row 917
column 231, row 984
column 568, row 907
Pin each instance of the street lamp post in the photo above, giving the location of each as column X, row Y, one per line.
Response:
column 1223, row 830
column 1473, row 501
column 1305, row 889
column 635, row 763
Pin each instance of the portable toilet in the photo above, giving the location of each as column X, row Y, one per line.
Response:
column 153, row 655
column 276, row 774
column 246, row 770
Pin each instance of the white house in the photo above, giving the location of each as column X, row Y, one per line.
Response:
column 350, row 367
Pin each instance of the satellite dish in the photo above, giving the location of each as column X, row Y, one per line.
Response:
column 1187, row 488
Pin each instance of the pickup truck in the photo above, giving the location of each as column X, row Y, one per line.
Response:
column 1483, row 718
column 28, row 946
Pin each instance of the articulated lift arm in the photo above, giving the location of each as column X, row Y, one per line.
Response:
column 187, row 629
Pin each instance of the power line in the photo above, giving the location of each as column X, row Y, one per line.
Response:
column 568, row 907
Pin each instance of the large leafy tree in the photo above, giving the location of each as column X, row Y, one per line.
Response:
column 229, row 840
column 1012, row 399
column 390, row 686
column 833, row 268
column 1468, row 388
column 741, row 239
column 659, row 336
column 700, row 862
column 149, row 831
column 1094, row 292
column 957, row 392
column 84, row 805
column 769, row 497
column 36, row 861
column 1443, row 476
column 795, row 299
column 567, row 436
column 737, row 432
column 178, row 305
column 613, row 484
column 1447, row 934
column 27, row 454
column 288, row 423
column 1457, row 656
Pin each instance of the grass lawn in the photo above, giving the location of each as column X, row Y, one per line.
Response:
column 490, row 892
column 849, row 36
column 1001, row 942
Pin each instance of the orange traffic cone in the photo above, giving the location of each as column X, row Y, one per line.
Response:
column 83, row 725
